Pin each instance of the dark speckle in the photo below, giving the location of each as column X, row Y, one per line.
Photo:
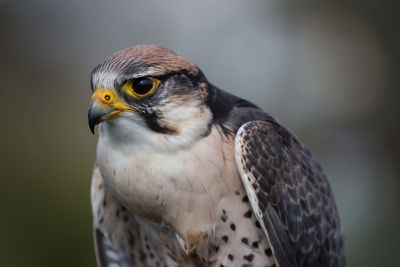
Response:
column 245, row 240
column 249, row 257
column 237, row 192
column 233, row 226
column 225, row 238
column 268, row 252
column 224, row 217
column 248, row 214
column 245, row 199
column 255, row 244
column 230, row 257
column 258, row 224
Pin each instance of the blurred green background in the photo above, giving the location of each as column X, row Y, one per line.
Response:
column 330, row 72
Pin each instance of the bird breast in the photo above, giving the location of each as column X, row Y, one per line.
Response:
column 178, row 188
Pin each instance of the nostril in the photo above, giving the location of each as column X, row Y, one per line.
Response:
column 107, row 97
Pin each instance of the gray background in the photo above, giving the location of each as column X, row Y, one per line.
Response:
column 328, row 71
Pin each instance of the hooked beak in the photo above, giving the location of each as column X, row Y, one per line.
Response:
column 105, row 105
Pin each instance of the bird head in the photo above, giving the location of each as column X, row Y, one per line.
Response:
column 146, row 92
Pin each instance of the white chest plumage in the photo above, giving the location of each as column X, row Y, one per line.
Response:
column 179, row 188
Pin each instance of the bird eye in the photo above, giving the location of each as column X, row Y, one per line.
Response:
column 142, row 87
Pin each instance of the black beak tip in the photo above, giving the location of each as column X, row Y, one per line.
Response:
column 93, row 119
column 91, row 126
column 97, row 113
column 91, row 123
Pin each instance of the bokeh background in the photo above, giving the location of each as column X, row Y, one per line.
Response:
column 327, row 70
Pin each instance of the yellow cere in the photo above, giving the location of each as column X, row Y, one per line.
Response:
column 109, row 97
column 104, row 95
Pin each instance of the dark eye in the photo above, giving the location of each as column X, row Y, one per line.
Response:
column 142, row 86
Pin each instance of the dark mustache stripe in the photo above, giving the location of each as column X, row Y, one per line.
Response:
column 152, row 121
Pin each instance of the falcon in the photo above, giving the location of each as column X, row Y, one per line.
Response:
column 187, row 174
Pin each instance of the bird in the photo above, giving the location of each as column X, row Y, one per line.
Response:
column 187, row 174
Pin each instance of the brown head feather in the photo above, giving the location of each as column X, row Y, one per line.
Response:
column 148, row 57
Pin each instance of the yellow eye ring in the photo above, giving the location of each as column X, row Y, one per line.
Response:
column 141, row 87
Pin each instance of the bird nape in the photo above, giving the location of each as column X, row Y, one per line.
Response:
column 187, row 174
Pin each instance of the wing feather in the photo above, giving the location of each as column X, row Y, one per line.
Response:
column 290, row 196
